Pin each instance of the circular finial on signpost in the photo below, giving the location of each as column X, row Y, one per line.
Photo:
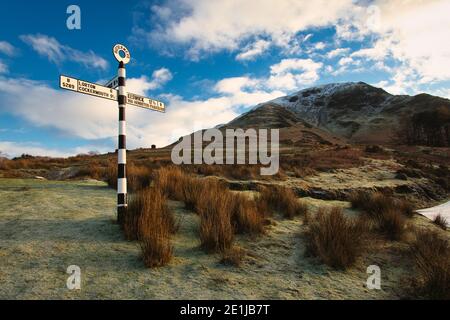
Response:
column 117, row 49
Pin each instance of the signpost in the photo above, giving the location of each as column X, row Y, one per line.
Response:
column 109, row 91
column 89, row 88
column 143, row 102
column 113, row 83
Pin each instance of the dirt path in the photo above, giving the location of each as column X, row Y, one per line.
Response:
column 45, row 226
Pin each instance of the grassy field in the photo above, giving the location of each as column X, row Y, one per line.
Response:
column 45, row 226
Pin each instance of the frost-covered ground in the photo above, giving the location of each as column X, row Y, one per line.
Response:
column 45, row 226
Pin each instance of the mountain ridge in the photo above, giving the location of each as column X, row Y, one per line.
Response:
column 355, row 111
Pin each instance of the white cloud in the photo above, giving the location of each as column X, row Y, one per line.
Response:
column 292, row 74
column 161, row 77
column 15, row 149
column 3, row 67
column 143, row 84
column 253, row 50
column 7, row 48
column 211, row 26
column 442, row 92
column 319, row 46
column 337, row 52
column 56, row 52
column 411, row 33
column 407, row 34
column 246, row 91
column 93, row 118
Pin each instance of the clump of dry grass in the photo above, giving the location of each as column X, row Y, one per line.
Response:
column 377, row 202
column 170, row 180
column 388, row 214
column 303, row 172
column 391, row 223
column 216, row 231
column 334, row 238
column 136, row 206
column 431, row 254
column 110, row 175
column 236, row 172
column 192, row 190
column 245, row 216
column 440, row 221
column 233, row 257
column 93, row 171
column 283, row 200
column 138, row 177
column 149, row 220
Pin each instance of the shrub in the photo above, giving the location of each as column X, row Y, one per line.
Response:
column 284, row 200
column 245, row 216
column 149, row 220
column 334, row 238
column 431, row 255
column 214, row 208
column 440, row 221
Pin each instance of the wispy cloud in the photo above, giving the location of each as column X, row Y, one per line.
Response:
column 7, row 48
column 206, row 26
column 253, row 50
column 290, row 74
column 56, row 52
column 3, row 67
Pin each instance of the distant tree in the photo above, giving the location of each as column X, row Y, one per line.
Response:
column 430, row 128
column 153, row 146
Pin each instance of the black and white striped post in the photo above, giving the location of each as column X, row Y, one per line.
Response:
column 108, row 91
column 122, row 199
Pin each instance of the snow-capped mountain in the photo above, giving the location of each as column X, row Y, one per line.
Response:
column 353, row 110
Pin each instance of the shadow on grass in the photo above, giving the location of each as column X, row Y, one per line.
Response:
column 93, row 229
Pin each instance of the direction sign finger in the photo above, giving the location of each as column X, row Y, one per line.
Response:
column 86, row 87
column 144, row 102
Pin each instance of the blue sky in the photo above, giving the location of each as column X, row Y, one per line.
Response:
column 207, row 60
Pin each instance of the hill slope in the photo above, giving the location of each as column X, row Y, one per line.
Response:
column 355, row 111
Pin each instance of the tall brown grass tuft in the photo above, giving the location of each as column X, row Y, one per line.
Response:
column 138, row 177
column 193, row 189
column 170, row 180
column 334, row 238
column 149, row 220
column 388, row 214
column 245, row 216
column 440, row 221
column 111, row 175
column 282, row 199
column 214, row 208
column 431, row 255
